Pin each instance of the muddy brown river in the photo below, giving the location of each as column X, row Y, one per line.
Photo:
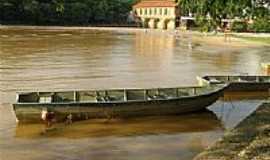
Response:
column 54, row 60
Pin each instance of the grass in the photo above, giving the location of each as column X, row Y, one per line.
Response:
column 256, row 39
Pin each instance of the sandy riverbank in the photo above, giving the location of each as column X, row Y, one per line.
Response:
column 233, row 40
column 250, row 140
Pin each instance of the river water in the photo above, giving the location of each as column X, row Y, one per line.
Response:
column 42, row 60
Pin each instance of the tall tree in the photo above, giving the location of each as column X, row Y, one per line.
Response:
column 209, row 13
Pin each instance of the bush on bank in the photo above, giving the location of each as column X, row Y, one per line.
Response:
column 107, row 12
column 64, row 12
column 260, row 25
column 211, row 13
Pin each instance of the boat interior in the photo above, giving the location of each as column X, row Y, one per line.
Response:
column 114, row 96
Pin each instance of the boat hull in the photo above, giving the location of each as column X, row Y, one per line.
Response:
column 31, row 113
column 250, row 83
column 248, row 87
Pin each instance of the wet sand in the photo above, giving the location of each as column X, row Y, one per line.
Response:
column 248, row 140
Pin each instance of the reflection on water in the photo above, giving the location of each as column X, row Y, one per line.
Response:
column 40, row 60
column 232, row 112
column 89, row 60
column 126, row 127
column 232, row 96
column 266, row 71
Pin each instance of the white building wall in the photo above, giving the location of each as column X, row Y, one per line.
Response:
column 162, row 14
column 159, row 12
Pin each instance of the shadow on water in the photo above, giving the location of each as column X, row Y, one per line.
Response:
column 195, row 122
column 234, row 107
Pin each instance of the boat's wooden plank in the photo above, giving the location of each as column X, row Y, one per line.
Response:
column 136, row 95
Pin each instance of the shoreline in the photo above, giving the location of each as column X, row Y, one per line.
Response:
column 130, row 29
column 235, row 40
column 250, row 139
column 70, row 28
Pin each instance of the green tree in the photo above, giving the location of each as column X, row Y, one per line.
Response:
column 209, row 13
column 64, row 12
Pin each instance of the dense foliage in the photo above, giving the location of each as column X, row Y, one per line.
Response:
column 64, row 12
column 209, row 13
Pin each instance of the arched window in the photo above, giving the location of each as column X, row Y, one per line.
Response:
column 150, row 11
column 141, row 11
column 155, row 11
column 160, row 11
column 145, row 11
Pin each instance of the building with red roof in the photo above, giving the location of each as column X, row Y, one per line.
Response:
column 160, row 14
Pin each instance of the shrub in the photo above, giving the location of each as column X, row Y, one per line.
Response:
column 239, row 26
column 260, row 25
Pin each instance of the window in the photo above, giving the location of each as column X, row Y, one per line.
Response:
column 155, row 11
column 160, row 11
column 145, row 11
column 150, row 11
column 165, row 11
column 140, row 11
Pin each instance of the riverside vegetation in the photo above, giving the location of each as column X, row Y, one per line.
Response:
column 208, row 13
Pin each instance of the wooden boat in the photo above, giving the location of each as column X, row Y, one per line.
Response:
column 239, row 83
column 115, row 103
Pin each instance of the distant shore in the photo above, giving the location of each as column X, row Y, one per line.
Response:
column 248, row 140
column 131, row 29
column 236, row 39
column 118, row 29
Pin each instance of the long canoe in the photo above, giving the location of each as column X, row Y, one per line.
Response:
column 242, row 83
column 116, row 102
